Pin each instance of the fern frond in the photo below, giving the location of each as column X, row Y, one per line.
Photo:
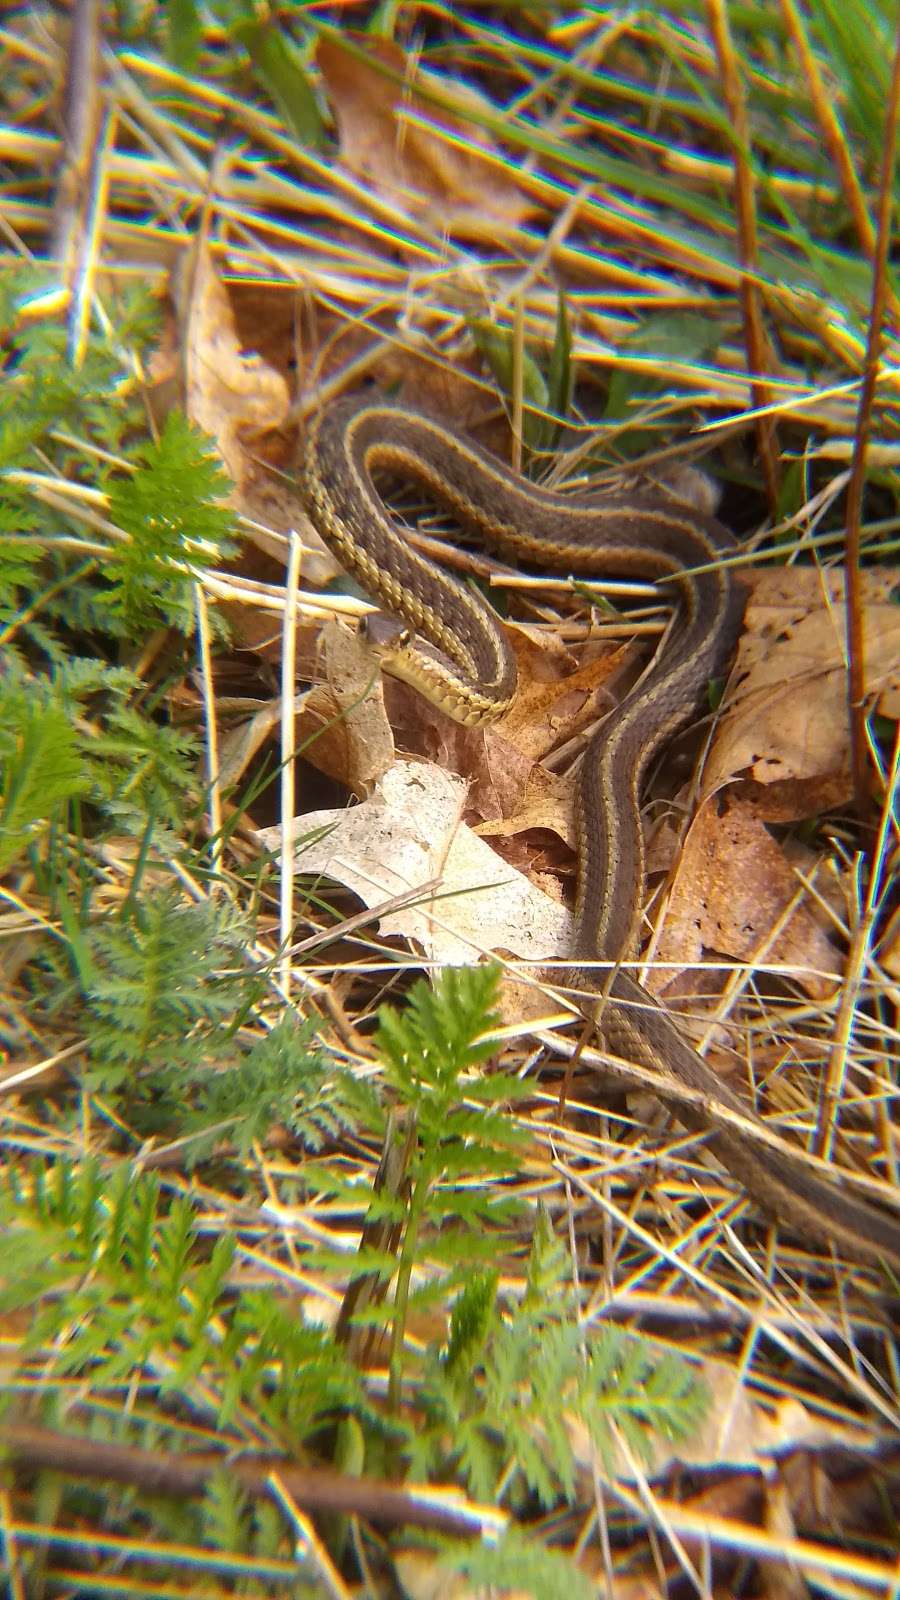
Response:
column 123, row 1290
column 42, row 390
column 470, row 1323
column 283, row 1078
column 148, row 768
column 519, row 1565
column 41, row 764
column 75, row 735
column 499, row 1396
column 162, row 981
column 430, row 1051
column 439, row 1035
column 19, row 557
column 172, row 509
column 225, row 1513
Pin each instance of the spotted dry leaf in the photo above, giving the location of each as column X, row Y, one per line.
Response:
column 408, row 839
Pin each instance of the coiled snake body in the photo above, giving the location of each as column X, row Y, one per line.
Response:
column 642, row 535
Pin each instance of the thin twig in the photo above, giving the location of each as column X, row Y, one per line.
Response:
column 288, row 761
column 313, row 1489
column 758, row 360
column 856, row 669
column 81, row 116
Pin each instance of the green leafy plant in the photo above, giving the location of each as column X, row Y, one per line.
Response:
column 166, row 497
column 463, row 1142
column 284, row 1078
column 172, row 510
column 124, row 1289
column 497, row 1397
column 42, row 765
column 516, row 1563
column 133, row 1292
column 77, row 735
column 163, row 986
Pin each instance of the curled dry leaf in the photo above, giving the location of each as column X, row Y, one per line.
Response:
column 547, row 802
column 243, row 743
column 511, row 791
column 496, row 773
column 508, row 792
column 238, row 398
column 732, row 886
column 226, row 388
column 556, row 699
column 464, row 185
column 343, row 729
column 341, row 726
column 409, row 834
column 786, row 733
column 788, row 715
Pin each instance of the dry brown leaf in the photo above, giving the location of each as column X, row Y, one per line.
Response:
column 261, row 632
column 732, row 885
column 547, row 802
column 407, row 835
column 510, row 792
column 791, row 799
column 343, row 728
column 555, row 698
column 496, row 773
column 460, row 186
column 240, row 399
column 242, row 743
column 788, row 716
column 226, row 388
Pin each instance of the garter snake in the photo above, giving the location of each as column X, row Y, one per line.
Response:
column 642, row 535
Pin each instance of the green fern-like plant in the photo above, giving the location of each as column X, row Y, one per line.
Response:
column 285, row 1077
column 497, row 1397
column 42, row 390
column 42, row 764
column 463, row 1145
column 515, row 1563
column 122, row 1289
column 76, row 735
column 172, row 509
column 165, row 988
column 166, row 497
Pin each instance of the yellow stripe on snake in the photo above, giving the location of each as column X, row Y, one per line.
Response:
column 644, row 535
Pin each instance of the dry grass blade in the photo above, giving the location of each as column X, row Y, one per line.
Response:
column 856, row 684
column 602, row 226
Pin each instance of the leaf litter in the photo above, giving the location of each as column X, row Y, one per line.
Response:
column 394, row 292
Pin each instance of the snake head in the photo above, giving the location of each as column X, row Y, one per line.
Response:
column 386, row 635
